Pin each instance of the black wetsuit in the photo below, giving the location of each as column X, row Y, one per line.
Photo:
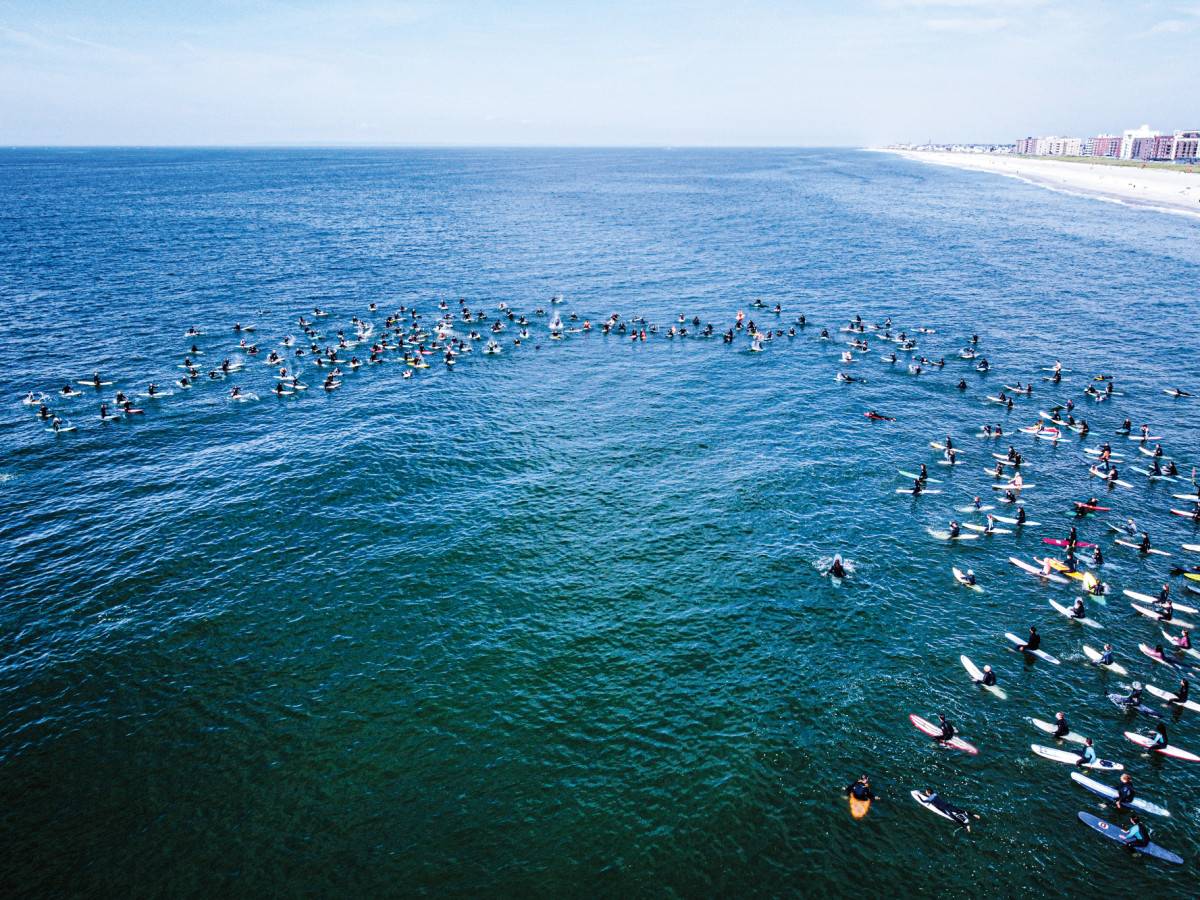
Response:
column 1063, row 729
column 1125, row 793
column 1034, row 642
column 958, row 815
column 860, row 791
column 989, row 679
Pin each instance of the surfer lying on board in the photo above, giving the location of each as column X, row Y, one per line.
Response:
column 861, row 790
column 949, row 810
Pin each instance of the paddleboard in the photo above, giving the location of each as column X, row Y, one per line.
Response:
column 1094, row 655
column 1040, row 654
column 932, row 730
column 1050, row 728
column 976, row 674
column 1091, row 623
column 1104, row 790
column 1167, row 695
column 1034, row 570
column 958, row 816
column 1116, row 834
column 1142, row 741
column 1072, row 759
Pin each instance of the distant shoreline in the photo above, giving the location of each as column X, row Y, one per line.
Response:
column 1169, row 189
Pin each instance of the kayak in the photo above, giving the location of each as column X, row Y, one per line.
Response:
column 1142, row 741
column 1050, row 728
column 932, row 730
column 977, row 675
column 1034, row 570
column 1094, row 655
column 1040, row 654
column 1167, row 695
column 1112, row 831
column 1008, row 520
column 1104, row 790
column 1151, row 614
column 1133, row 546
column 962, row 579
column 1091, row 623
column 982, row 529
column 1059, row 542
column 1072, row 759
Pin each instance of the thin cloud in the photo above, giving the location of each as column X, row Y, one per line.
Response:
column 1171, row 26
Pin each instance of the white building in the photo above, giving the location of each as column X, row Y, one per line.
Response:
column 1133, row 134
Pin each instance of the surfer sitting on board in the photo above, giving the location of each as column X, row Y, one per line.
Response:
column 1137, row 835
column 1061, row 728
column 836, row 569
column 947, row 728
column 1088, row 755
column 1181, row 696
column 1034, row 642
column 1125, row 794
column 989, row 677
column 1077, row 611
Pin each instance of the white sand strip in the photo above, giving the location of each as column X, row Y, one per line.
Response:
column 1163, row 189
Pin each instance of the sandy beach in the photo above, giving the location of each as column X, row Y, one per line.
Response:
column 1163, row 189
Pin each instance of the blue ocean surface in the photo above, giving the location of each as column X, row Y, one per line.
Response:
column 555, row 622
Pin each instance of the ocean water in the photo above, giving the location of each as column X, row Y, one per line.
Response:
column 554, row 623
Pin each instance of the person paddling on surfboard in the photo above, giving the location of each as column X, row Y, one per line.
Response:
column 861, row 790
column 836, row 569
column 949, row 810
column 1134, row 698
column 954, row 529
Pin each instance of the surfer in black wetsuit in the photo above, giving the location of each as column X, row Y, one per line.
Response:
column 1144, row 546
column 1034, row 642
column 952, row 812
column 861, row 790
column 1077, row 611
column 947, row 728
column 836, row 569
column 1138, row 835
column 988, row 679
column 1125, row 793
column 954, row 529
column 1061, row 729
column 1181, row 695
column 1135, row 696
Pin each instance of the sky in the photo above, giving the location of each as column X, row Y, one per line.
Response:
column 618, row 73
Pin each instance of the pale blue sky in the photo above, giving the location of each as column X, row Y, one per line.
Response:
column 705, row 72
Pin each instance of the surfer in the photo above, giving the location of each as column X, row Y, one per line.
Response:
column 1020, row 515
column 1144, row 546
column 1180, row 697
column 1061, row 728
column 836, row 569
column 989, row 677
column 1106, row 658
column 1077, row 610
column 1125, row 793
column 949, row 810
column 1088, row 756
column 861, row 790
column 1185, row 641
column 1159, row 738
column 1137, row 835
column 1134, row 698
column 962, row 384
column 1034, row 642
column 970, row 578
column 917, row 488
column 954, row 529
column 947, row 733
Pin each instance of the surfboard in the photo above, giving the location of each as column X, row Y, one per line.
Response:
column 1170, row 750
column 1059, row 542
column 1116, row 834
column 976, row 674
column 916, row 477
column 1152, row 614
column 1040, row 654
column 1104, row 790
column 982, row 529
column 958, row 816
column 1168, row 695
column 1133, row 546
column 1050, row 728
column 1009, row 520
column 1094, row 655
column 962, row 579
column 1091, row 623
column 1071, row 759
column 932, row 730
column 922, row 493
column 1170, row 638
column 1153, row 601
column 859, row 808
column 945, row 535
column 1034, row 570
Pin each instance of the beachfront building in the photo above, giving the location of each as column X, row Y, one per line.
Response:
column 1104, row 145
column 1133, row 142
column 1185, row 146
column 1049, row 146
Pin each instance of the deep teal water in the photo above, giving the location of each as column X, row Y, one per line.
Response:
column 553, row 623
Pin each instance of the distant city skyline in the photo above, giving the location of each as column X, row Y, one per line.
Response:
column 529, row 72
